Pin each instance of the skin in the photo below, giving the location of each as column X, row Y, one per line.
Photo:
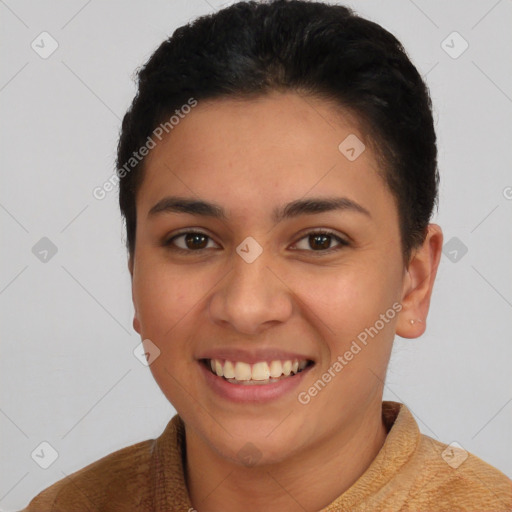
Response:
column 249, row 157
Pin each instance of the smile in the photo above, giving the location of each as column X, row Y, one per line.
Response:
column 259, row 373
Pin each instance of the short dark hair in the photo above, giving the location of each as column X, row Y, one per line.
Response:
column 312, row 48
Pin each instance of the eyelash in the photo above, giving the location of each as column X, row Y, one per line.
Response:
column 342, row 243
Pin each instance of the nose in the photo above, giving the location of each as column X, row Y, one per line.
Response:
column 252, row 297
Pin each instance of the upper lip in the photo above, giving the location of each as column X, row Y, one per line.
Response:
column 252, row 356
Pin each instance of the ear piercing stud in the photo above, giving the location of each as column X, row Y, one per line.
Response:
column 413, row 321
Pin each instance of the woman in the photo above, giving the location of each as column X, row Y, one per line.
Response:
column 277, row 174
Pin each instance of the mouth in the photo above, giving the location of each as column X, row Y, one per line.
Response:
column 257, row 374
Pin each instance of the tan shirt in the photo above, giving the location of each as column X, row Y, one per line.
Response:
column 410, row 473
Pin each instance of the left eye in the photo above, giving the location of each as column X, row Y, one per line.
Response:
column 321, row 240
column 195, row 241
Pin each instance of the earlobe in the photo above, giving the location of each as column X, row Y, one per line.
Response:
column 419, row 283
column 136, row 323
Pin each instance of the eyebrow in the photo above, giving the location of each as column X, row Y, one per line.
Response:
column 309, row 206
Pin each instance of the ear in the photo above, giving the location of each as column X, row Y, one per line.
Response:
column 136, row 322
column 419, row 283
column 130, row 265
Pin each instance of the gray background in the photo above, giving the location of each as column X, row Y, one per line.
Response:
column 68, row 373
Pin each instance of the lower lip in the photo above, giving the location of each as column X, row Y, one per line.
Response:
column 252, row 393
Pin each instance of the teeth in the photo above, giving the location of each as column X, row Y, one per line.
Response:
column 242, row 371
column 229, row 370
column 276, row 369
column 218, row 368
column 261, row 371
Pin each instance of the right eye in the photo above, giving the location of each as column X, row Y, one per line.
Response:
column 191, row 241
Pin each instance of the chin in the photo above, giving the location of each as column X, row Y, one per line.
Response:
column 254, row 453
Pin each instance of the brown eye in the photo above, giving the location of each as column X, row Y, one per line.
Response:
column 189, row 241
column 320, row 241
column 195, row 241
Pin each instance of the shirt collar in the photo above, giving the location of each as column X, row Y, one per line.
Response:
column 168, row 467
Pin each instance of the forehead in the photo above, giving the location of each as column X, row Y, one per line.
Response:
column 252, row 153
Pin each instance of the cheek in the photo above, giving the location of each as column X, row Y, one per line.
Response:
column 354, row 303
column 164, row 296
column 350, row 295
column 167, row 297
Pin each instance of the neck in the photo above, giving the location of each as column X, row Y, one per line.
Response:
column 309, row 480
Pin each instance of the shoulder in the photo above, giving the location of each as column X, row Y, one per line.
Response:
column 458, row 480
column 121, row 477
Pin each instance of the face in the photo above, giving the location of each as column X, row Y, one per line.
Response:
column 268, row 281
